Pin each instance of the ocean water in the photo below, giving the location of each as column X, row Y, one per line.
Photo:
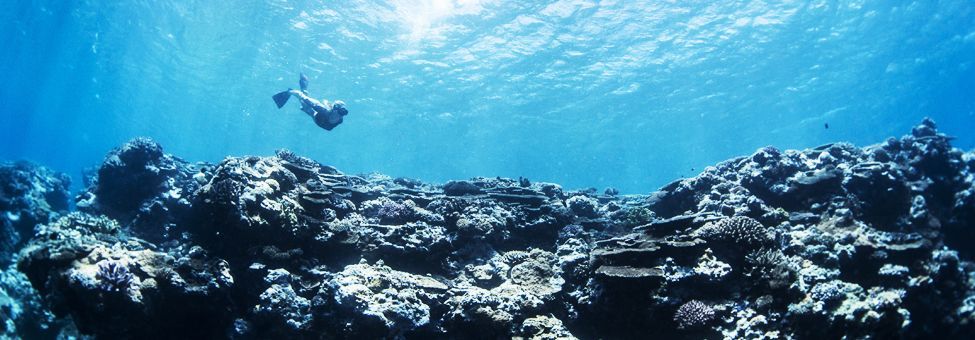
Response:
column 624, row 94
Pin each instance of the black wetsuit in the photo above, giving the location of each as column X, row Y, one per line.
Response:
column 329, row 119
column 325, row 116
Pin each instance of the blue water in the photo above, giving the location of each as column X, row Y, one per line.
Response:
column 625, row 94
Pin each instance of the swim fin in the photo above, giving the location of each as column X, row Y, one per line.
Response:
column 282, row 98
column 303, row 82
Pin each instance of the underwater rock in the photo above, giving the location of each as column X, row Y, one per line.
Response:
column 22, row 312
column 834, row 241
column 460, row 188
column 583, row 206
column 377, row 301
column 543, row 328
column 112, row 285
column 503, row 292
column 280, row 308
column 142, row 187
column 29, row 195
column 253, row 202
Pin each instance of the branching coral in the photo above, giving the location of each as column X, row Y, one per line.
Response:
column 769, row 266
column 744, row 231
column 114, row 276
column 392, row 211
column 693, row 314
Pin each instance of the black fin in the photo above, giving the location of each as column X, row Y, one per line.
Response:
column 303, row 82
column 282, row 98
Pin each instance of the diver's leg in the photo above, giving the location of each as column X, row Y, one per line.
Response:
column 308, row 104
column 309, row 110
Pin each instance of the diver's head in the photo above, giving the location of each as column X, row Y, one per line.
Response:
column 339, row 107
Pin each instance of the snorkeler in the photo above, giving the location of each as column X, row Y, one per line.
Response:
column 325, row 115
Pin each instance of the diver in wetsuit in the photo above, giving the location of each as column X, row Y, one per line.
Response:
column 325, row 115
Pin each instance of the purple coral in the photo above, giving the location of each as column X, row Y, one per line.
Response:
column 693, row 314
column 390, row 211
column 114, row 276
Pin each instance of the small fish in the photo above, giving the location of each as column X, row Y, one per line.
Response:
column 826, row 125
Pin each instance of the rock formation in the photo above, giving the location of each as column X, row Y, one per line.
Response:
column 827, row 242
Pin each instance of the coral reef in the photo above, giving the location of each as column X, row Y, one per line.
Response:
column 114, row 285
column 29, row 195
column 829, row 242
column 379, row 301
column 834, row 241
column 142, row 187
column 114, row 276
column 693, row 314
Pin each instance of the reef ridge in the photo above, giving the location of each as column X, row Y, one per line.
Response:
column 834, row 241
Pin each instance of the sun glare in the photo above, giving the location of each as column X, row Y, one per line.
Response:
column 425, row 19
